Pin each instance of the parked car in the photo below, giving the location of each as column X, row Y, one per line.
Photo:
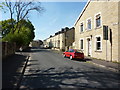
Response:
column 74, row 53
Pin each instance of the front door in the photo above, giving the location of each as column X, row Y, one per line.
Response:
column 89, row 47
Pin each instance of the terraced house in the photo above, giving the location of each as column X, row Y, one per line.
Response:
column 97, row 30
column 62, row 40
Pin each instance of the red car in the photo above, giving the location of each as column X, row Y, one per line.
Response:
column 74, row 53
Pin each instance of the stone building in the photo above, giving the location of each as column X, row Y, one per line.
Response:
column 36, row 43
column 62, row 40
column 97, row 30
column 69, row 37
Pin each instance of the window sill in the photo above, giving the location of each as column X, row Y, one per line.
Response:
column 98, row 50
column 98, row 27
column 88, row 30
column 81, row 32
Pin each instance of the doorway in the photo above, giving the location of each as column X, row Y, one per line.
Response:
column 89, row 47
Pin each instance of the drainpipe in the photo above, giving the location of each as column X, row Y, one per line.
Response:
column 111, row 42
column 65, row 39
column 66, row 29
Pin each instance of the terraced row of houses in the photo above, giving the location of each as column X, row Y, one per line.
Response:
column 62, row 40
column 96, row 31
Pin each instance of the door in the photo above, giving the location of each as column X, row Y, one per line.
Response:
column 89, row 47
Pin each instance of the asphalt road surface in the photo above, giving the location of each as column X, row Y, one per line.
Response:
column 47, row 69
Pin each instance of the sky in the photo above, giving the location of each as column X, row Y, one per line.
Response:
column 56, row 15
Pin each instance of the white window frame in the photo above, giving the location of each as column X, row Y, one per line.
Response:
column 96, row 42
column 80, row 43
column 80, row 26
column 87, row 23
column 95, row 20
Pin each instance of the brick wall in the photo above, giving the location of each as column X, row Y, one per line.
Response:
column 8, row 49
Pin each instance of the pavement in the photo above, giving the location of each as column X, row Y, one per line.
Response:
column 105, row 64
column 101, row 63
column 12, row 70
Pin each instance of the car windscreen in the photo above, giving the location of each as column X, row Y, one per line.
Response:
column 78, row 51
column 71, row 50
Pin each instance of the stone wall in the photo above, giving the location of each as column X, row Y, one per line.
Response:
column 8, row 49
column 119, row 30
column 109, row 13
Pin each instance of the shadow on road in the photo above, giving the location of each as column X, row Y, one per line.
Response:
column 68, row 77
column 34, row 50
column 11, row 70
column 81, row 60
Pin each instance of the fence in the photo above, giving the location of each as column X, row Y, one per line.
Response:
column 8, row 49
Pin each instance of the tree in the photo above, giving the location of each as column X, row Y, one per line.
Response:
column 21, row 9
column 18, row 28
column 6, row 26
column 23, row 35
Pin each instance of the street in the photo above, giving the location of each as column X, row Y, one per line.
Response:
column 47, row 69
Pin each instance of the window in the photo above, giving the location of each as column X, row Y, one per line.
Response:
column 71, row 50
column 98, row 43
column 98, row 20
column 81, row 27
column 81, row 41
column 58, row 43
column 89, row 24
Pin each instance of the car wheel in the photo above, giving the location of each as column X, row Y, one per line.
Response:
column 71, row 57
